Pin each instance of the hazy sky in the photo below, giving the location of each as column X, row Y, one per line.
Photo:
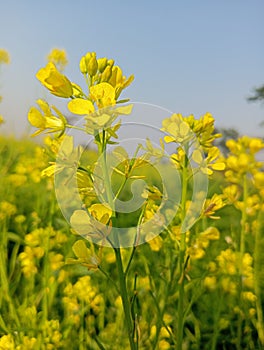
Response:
column 187, row 56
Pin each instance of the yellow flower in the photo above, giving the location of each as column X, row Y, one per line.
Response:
column 210, row 283
column 58, row 57
column 211, row 233
column 93, row 224
column 155, row 243
column 85, row 256
column 193, row 134
column 178, row 129
column 259, row 180
column 255, row 145
column 57, row 83
column 1, row 120
column 242, row 159
column 118, row 81
column 229, row 286
column 7, row 342
column 232, row 193
column 103, row 95
column 27, row 343
column 7, row 210
column 249, row 296
column 164, row 345
column 212, row 205
column 196, row 251
column 210, row 162
column 80, row 106
column 44, row 119
column 4, row 56
column 227, row 261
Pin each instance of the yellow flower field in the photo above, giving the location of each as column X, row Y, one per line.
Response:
column 103, row 250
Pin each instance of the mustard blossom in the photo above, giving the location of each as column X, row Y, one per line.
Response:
column 57, row 83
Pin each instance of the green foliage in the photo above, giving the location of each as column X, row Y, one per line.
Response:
column 47, row 303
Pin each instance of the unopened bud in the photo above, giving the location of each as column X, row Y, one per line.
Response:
column 102, row 62
column 110, row 63
column 116, row 77
column 87, row 57
column 92, row 66
column 106, row 75
column 83, row 67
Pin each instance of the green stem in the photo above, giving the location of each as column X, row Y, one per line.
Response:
column 216, row 319
column 241, row 254
column 108, row 186
column 125, row 300
column 257, row 278
column 132, row 162
column 121, row 274
column 5, row 291
column 75, row 127
column 45, row 302
column 181, row 265
column 109, row 278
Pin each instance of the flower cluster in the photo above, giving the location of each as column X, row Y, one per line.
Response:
column 195, row 138
column 105, row 82
column 242, row 159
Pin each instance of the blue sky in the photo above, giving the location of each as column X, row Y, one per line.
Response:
column 190, row 57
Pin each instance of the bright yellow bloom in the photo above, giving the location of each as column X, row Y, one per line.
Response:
column 259, row 180
column 196, row 251
column 249, row 296
column 252, row 205
column 211, row 233
column 118, row 81
column 85, row 256
column 7, row 210
column 242, row 159
column 95, row 224
column 44, row 119
column 80, row 106
column 57, row 83
column 212, row 205
column 164, row 345
column 178, row 129
column 1, row 120
column 7, row 342
column 27, row 343
column 228, row 285
column 155, row 243
column 227, row 261
column 210, row 282
column 58, row 57
column 232, row 193
column 103, row 95
column 210, row 162
column 4, row 56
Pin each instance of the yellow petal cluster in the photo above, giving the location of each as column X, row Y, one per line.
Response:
column 44, row 119
column 57, row 83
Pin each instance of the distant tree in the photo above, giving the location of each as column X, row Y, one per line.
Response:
column 258, row 94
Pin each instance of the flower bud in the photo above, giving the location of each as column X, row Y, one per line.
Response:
column 82, row 65
column 92, row 66
column 102, row 62
column 110, row 63
column 106, row 74
column 87, row 57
